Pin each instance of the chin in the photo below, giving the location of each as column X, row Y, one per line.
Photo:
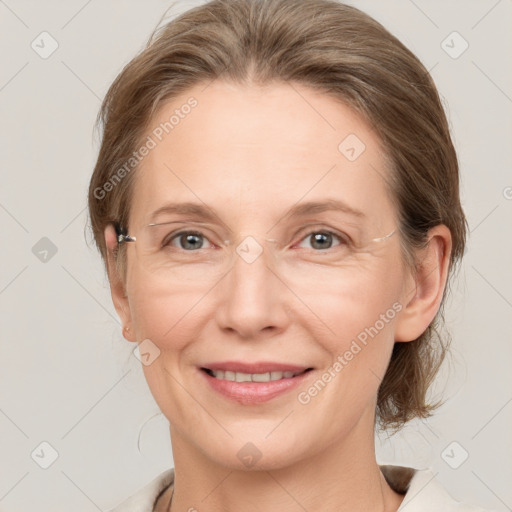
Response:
column 260, row 455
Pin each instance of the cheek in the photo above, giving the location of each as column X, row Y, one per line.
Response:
column 360, row 313
column 163, row 313
column 170, row 319
column 347, row 302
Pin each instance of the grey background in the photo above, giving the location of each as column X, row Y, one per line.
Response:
column 68, row 378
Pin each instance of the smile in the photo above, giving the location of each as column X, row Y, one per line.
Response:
column 252, row 377
column 250, row 384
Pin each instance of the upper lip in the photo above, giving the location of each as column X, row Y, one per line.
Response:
column 259, row 367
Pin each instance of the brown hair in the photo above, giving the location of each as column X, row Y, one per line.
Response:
column 337, row 50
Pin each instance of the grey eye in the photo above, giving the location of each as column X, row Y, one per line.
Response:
column 320, row 240
column 188, row 240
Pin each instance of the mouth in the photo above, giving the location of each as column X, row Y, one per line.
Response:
column 272, row 376
column 253, row 383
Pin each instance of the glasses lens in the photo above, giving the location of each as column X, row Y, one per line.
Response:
column 191, row 251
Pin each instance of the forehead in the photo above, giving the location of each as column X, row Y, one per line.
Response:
column 246, row 150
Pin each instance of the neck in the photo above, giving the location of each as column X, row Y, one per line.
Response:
column 344, row 477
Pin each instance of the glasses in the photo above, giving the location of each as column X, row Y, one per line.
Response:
column 196, row 251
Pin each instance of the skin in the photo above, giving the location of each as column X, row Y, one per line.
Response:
column 251, row 153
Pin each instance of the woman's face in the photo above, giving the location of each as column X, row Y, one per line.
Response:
column 258, row 288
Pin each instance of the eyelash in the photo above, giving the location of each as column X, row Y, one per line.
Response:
column 342, row 239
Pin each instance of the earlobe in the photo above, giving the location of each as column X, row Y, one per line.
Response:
column 117, row 288
column 423, row 299
column 127, row 334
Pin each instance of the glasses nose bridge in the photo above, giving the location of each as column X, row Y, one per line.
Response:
column 251, row 248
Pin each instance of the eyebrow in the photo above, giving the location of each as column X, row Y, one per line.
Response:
column 324, row 206
column 205, row 213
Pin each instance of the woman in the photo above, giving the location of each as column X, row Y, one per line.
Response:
column 276, row 199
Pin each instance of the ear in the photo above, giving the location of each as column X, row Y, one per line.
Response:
column 117, row 288
column 423, row 292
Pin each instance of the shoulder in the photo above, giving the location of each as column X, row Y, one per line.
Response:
column 423, row 493
column 144, row 499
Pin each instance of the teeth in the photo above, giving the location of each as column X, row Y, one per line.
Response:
column 252, row 377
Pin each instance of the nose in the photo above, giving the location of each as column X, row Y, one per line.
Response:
column 252, row 300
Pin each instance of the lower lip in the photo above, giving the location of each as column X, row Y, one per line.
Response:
column 254, row 392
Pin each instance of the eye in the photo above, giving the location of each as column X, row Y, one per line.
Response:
column 190, row 241
column 187, row 240
column 322, row 240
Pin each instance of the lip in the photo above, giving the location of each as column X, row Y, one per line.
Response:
column 248, row 393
